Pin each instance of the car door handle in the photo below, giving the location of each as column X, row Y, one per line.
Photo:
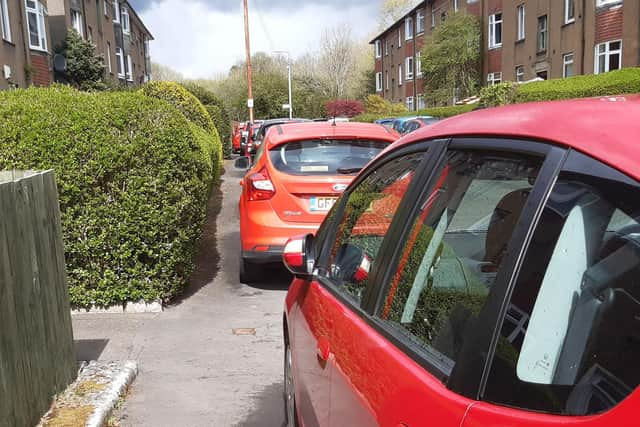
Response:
column 324, row 349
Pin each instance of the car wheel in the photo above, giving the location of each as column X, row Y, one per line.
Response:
column 289, row 394
column 248, row 273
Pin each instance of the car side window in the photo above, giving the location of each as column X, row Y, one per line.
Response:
column 367, row 215
column 570, row 341
column 454, row 249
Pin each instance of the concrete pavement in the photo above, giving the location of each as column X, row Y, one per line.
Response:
column 194, row 371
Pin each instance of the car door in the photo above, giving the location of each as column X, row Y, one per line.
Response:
column 568, row 349
column 321, row 317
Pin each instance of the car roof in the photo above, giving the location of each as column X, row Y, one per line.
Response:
column 605, row 128
column 326, row 130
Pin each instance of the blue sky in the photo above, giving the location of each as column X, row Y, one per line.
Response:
column 204, row 38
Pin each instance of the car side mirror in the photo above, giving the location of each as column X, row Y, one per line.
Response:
column 241, row 163
column 298, row 256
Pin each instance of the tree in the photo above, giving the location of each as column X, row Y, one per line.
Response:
column 392, row 10
column 337, row 61
column 375, row 104
column 164, row 73
column 451, row 59
column 85, row 69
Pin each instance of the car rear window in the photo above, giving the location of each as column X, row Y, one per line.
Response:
column 325, row 157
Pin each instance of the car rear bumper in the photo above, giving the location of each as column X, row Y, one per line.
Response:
column 272, row 255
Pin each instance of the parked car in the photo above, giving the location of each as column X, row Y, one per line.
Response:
column 258, row 135
column 482, row 271
column 417, row 123
column 299, row 172
column 385, row 122
column 246, row 142
column 237, row 137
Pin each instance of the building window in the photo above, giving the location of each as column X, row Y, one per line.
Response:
column 37, row 30
column 433, row 18
column 120, row 62
column 408, row 28
column 5, row 24
column 106, row 8
column 378, row 48
column 387, row 76
column 109, row 67
column 521, row 22
column 420, row 22
column 386, row 47
column 378, row 82
column 408, row 65
column 420, row 101
column 455, row 5
column 494, row 78
column 600, row 3
column 399, row 38
column 409, row 103
column 116, row 11
column 543, row 33
column 495, row 30
column 608, row 56
column 520, row 73
column 124, row 19
column 567, row 65
column 129, row 68
column 418, row 64
column 569, row 11
column 76, row 21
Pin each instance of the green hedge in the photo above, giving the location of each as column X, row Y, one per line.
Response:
column 133, row 182
column 439, row 112
column 618, row 82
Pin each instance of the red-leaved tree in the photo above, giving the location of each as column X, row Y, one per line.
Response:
column 344, row 108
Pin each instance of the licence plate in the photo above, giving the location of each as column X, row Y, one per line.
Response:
column 321, row 204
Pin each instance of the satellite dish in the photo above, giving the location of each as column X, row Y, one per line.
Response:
column 59, row 63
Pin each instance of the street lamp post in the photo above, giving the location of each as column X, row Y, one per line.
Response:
column 289, row 78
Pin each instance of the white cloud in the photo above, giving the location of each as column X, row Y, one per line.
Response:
column 200, row 42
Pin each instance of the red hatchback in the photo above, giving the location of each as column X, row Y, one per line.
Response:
column 483, row 271
column 299, row 171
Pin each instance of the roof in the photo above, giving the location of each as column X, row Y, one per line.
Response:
column 131, row 9
column 327, row 130
column 605, row 128
column 402, row 18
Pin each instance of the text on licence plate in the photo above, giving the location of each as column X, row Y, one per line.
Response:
column 321, row 203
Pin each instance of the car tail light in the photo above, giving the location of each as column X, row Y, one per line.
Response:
column 260, row 186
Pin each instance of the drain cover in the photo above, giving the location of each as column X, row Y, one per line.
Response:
column 244, row 331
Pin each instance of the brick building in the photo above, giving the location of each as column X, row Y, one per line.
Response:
column 115, row 29
column 25, row 44
column 521, row 40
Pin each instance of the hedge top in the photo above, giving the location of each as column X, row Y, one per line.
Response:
column 183, row 100
column 604, row 128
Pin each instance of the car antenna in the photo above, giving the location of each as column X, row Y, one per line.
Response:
column 334, row 121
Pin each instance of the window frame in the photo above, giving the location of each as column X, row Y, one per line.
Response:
column 378, row 49
column 120, row 59
column 565, row 63
column 519, row 73
column 493, row 79
column 400, row 75
column 108, row 55
column 607, row 54
column 379, row 81
column 493, row 25
column 40, row 12
column 409, row 102
column 543, row 34
column 125, row 20
column 373, row 301
column 567, row 4
column 604, row 3
column 420, row 19
column 115, row 6
column 521, row 15
column 408, row 28
column 5, row 21
column 409, row 62
column 129, row 71
column 418, row 62
column 76, row 21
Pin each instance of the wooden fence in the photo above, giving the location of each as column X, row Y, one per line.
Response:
column 36, row 340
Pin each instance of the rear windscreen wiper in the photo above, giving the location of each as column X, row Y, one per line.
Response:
column 346, row 171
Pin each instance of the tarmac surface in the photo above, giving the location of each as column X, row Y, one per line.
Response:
column 193, row 369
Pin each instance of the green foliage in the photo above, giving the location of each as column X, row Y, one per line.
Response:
column 498, row 94
column 618, row 82
column 217, row 111
column 133, row 177
column 85, row 70
column 451, row 58
column 181, row 99
column 375, row 104
column 439, row 112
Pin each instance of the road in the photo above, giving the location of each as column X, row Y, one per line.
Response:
column 194, row 371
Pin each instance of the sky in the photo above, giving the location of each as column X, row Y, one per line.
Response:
column 204, row 38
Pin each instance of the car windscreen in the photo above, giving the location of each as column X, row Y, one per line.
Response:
column 325, row 156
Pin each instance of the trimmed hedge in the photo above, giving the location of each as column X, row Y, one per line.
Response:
column 439, row 112
column 620, row 82
column 133, row 179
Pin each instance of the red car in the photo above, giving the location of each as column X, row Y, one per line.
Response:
column 237, row 136
column 483, row 271
column 298, row 172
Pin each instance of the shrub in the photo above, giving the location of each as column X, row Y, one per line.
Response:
column 85, row 69
column 498, row 94
column 439, row 112
column 618, row 82
column 375, row 104
column 133, row 185
column 183, row 100
column 344, row 108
